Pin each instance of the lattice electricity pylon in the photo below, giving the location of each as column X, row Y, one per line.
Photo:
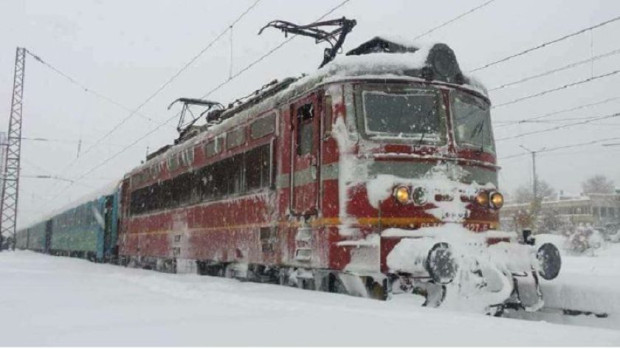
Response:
column 10, row 186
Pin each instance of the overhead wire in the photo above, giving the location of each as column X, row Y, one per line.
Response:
column 583, row 106
column 82, row 86
column 127, row 147
column 556, row 121
column 561, row 147
column 545, row 44
column 542, row 93
column 66, row 141
column 568, row 66
column 156, row 92
column 224, row 83
column 454, row 19
column 167, row 82
column 555, row 128
column 178, row 73
column 161, row 88
column 268, row 53
column 34, row 165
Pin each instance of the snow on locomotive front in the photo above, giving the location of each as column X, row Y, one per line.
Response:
column 417, row 184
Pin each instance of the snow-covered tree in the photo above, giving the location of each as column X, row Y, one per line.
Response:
column 524, row 193
column 549, row 222
column 598, row 184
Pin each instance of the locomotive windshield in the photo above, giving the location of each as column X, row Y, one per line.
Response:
column 402, row 113
column 472, row 119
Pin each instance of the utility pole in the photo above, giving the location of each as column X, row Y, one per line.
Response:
column 534, row 177
column 535, row 185
column 10, row 175
column 535, row 204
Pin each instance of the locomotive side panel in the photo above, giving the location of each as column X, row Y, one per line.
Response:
column 76, row 230
column 216, row 205
column 37, row 237
column 21, row 239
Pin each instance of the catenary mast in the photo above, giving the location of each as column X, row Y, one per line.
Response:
column 10, row 175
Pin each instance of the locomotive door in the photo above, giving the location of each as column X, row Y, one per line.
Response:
column 305, row 156
column 48, row 237
column 108, row 218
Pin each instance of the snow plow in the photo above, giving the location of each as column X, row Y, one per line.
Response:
column 461, row 269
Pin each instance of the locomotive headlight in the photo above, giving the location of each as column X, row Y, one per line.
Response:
column 443, row 65
column 497, row 200
column 549, row 261
column 419, row 196
column 482, row 198
column 402, row 194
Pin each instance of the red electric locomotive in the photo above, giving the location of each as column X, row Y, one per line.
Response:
column 373, row 176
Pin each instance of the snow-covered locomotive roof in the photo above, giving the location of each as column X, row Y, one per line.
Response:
column 401, row 58
column 388, row 58
column 382, row 57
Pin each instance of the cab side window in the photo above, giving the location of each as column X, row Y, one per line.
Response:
column 305, row 128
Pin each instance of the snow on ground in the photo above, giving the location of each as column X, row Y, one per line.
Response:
column 62, row 301
column 590, row 282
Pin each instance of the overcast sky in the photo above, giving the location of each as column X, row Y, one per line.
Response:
column 126, row 50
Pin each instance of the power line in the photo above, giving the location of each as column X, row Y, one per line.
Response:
column 563, row 147
column 36, row 166
column 561, row 126
column 83, row 87
column 557, row 89
column 453, row 19
column 170, row 80
column 559, row 121
column 246, row 68
column 545, row 44
column 508, row 123
column 161, row 88
column 270, row 52
column 66, row 141
column 572, row 65
column 46, row 177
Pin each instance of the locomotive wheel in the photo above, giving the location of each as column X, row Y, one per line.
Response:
column 228, row 271
column 497, row 311
column 434, row 294
column 336, row 285
column 377, row 291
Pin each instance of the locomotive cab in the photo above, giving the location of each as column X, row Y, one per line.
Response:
column 418, row 175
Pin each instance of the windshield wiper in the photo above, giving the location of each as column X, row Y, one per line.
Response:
column 420, row 141
column 479, row 128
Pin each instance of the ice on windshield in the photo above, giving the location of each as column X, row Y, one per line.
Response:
column 414, row 114
column 472, row 119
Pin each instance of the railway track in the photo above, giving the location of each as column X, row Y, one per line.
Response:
column 586, row 293
column 568, row 317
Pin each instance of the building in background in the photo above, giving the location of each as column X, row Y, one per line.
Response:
column 565, row 212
